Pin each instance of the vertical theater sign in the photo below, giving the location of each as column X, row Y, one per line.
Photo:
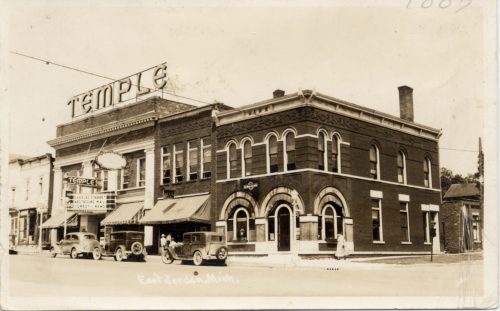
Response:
column 141, row 84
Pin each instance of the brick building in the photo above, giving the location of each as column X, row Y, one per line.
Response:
column 284, row 175
column 462, row 219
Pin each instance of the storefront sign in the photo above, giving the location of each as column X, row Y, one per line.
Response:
column 111, row 161
column 250, row 185
column 118, row 91
column 89, row 202
column 82, row 181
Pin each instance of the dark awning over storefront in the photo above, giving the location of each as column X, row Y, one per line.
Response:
column 124, row 214
column 193, row 209
column 57, row 220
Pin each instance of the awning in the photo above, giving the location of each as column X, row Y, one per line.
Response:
column 194, row 209
column 57, row 220
column 128, row 213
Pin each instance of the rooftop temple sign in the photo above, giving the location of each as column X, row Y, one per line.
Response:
column 119, row 91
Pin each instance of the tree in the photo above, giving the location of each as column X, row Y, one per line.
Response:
column 448, row 178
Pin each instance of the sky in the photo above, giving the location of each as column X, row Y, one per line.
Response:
column 358, row 51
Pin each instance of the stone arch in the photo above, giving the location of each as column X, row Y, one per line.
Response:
column 279, row 194
column 330, row 194
column 239, row 199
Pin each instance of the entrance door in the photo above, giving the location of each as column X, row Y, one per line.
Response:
column 283, row 220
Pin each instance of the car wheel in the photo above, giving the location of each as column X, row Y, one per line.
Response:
column 136, row 248
column 96, row 253
column 197, row 258
column 119, row 254
column 167, row 257
column 74, row 253
column 221, row 254
column 53, row 252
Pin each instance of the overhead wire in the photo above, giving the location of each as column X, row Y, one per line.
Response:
column 49, row 62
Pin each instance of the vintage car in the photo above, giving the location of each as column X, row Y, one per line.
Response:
column 78, row 243
column 198, row 247
column 125, row 245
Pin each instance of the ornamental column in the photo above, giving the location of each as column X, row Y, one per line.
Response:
column 149, row 199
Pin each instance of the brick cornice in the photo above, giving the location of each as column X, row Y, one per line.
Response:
column 134, row 122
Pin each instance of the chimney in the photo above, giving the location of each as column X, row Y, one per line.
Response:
column 278, row 93
column 406, row 102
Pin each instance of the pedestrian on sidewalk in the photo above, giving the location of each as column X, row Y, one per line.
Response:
column 341, row 252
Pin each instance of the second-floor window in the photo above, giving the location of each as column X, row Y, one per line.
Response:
column 321, row 151
column 102, row 177
column 233, row 161
column 272, row 154
column 401, row 163
column 125, row 176
column 178, row 162
column 290, row 151
column 206, row 162
column 427, row 173
column 141, row 172
column 335, row 154
column 166, row 165
column 374, row 162
column 247, row 158
column 193, row 160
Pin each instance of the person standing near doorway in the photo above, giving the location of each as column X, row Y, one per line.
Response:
column 163, row 243
column 169, row 239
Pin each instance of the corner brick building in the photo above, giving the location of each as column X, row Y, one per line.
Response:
column 295, row 171
column 285, row 175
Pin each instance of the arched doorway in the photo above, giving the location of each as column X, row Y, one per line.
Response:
column 283, row 224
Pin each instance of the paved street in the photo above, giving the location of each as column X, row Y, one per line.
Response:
column 40, row 275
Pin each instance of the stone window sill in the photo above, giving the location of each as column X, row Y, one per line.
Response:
column 378, row 242
column 407, row 243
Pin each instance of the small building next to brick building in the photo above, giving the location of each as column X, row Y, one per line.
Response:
column 462, row 219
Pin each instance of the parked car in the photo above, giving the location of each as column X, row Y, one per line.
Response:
column 198, row 247
column 78, row 243
column 126, row 244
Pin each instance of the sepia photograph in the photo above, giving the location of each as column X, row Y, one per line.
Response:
column 214, row 155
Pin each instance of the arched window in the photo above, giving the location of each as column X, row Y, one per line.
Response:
column 247, row 158
column 335, row 154
column 427, row 173
column 321, row 151
column 401, row 163
column 332, row 222
column 233, row 161
column 272, row 156
column 374, row 162
column 290, row 151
